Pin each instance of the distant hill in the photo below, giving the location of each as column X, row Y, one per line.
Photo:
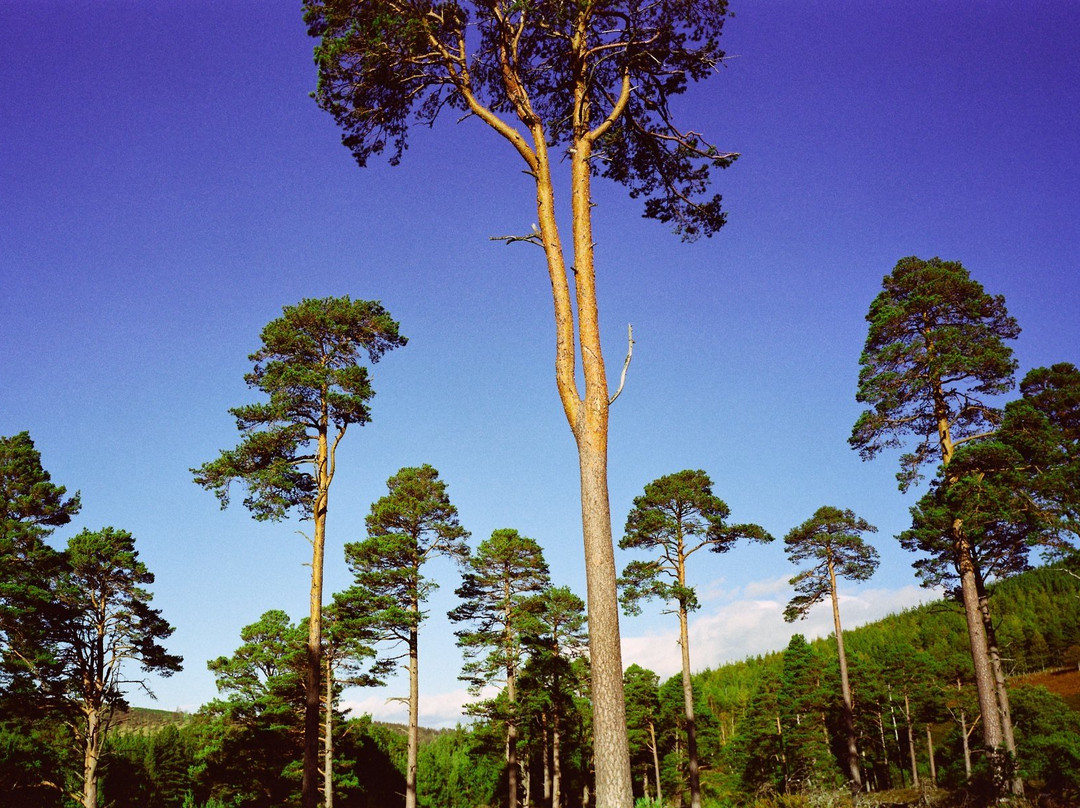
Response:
column 146, row 721
column 1037, row 615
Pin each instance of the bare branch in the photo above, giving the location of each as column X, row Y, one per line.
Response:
column 626, row 364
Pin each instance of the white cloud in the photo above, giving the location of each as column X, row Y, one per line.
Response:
column 752, row 626
column 437, row 710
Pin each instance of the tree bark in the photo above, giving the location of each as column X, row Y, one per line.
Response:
column 911, row 742
column 985, row 687
column 845, row 689
column 309, row 785
column 693, row 776
column 930, row 749
column 547, row 758
column 556, row 763
column 511, row 740
column 414, row 712
column 1016, row 783
column 328, row 743
column 611, row 751
column 91, row 758
column 656, row 762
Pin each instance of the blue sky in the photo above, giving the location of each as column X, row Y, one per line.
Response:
column 167, row 185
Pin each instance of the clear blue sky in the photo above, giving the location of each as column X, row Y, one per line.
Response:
column 167, row 185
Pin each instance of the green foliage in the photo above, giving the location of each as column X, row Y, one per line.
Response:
column 309, row 367
column 500, row 604
column 31, row 507
column 461, row 769
column 676, row 516
column 935, row 353
column 832, row 541
column 385, row 66
column 414, row 523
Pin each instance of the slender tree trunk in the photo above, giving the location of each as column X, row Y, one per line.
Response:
column 930, row 749
column 328, row 744
column 526, row 780
column 693, row 775
column 414, row 713
column 1016, row 784
column 896, row 738
column 309, row 786
column 884, row 748
column 985, row 687
column 911, row 742
column 91, row 758
column 845, row 690
column 511, row 740
column 547, row 758
column 556, row 763
column 656, row 762
column 964, row 733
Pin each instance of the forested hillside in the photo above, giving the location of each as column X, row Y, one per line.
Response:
column 765, row 725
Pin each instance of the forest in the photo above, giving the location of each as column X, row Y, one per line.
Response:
column 969, row 700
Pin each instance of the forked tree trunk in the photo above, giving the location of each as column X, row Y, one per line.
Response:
column 656, row 761
column 1016, row 783
column 964, row 734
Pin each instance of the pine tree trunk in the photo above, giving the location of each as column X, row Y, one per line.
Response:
column 1016, row 784
column 656, row 762
column 556, row 763
column 309, row 785
column 328, row 743
column 693, row 775
column 930, row 748
column 414, row 713
column 985, row 686
column 91, row 758
column 845, row 690
column 547, row 758
column 884, row 748
column 511, row 741
column 911, row 742
column 964, row 732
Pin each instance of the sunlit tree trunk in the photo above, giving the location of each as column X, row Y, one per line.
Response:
column 328, row 743
column 309, row 787
column 693, row 775
column 91, row 758
column 845, row 689
column 1016, row 784
column 414, row 709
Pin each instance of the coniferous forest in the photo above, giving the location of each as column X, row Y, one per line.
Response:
column 970, row 700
